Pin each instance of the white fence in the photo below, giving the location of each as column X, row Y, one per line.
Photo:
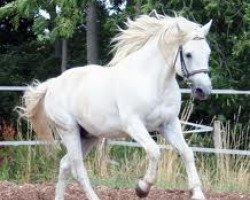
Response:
column 135, row 144
column 184, row 91
column 198, row 129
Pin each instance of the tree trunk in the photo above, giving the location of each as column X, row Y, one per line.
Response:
column 138, row 7
column 129, row 3
column 135, row 5
column 64, row 55
column 92, row 34
column 58, row 42
column 58, row 48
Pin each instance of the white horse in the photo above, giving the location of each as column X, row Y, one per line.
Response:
column 136, row 94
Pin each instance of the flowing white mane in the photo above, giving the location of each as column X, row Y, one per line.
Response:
column 142, row 29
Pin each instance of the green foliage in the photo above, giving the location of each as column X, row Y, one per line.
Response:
column 229, row 41
column 28, row 164
column 40, row 23
column 19, row 66
column 8, row 9
column 62, row 25
column 25, row 8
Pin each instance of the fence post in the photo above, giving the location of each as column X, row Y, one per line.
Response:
column 217, row 135
column 217, row 138
column 103, row 158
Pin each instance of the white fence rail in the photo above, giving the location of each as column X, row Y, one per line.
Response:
column 13, row 88
column 134, row 144
column 198, row 129
column 195, row 149
column 183, row 90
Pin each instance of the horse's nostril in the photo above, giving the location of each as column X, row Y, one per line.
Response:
column 199, row 91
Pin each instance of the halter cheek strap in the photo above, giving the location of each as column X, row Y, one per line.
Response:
column 184, row 69
column 185, row 72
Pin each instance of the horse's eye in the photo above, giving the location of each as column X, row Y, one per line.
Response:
column 188, row 55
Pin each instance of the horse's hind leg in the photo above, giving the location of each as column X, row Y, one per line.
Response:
column 72, row 161
column 64, row 173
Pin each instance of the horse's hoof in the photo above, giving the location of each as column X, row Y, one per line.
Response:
column 197, row 194
column 142, row 189
column 198, row 197
column 141, row 193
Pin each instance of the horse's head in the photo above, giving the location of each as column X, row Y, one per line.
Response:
column 192, row 63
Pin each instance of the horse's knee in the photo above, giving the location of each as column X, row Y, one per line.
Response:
column 188, row 155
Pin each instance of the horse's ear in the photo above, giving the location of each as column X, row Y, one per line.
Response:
column 153, row 13
column 206, row 27
column 178, row 27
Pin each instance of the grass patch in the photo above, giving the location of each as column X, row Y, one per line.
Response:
column 125, row 165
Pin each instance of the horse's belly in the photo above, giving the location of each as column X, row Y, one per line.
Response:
column 103, row 126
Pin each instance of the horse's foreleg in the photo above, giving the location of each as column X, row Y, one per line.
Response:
column 75, row 153
column 173, row 134
column 136, row 129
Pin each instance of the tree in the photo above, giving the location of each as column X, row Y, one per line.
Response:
column 92, row 33
column 53, row 25
column 229, row 41
column 64, row 55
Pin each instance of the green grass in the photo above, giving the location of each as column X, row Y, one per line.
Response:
column 221, row 174
column 30, row 164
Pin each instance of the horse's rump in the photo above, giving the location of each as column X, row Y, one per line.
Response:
column 33, row 111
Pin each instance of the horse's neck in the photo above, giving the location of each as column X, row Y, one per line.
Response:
column 150, row 61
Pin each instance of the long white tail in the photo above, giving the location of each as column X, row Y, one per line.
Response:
column 33, row 110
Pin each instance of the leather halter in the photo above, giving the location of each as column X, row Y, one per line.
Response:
column 186, row 74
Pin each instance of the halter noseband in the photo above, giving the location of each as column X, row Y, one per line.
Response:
column 185, row 72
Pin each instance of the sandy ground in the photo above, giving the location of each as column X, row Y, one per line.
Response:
column 11, row 191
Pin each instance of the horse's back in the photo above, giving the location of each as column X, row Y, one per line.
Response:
column 71, row 80
column 83, row 95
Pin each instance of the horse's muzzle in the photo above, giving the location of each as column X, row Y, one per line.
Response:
column 201, row 92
